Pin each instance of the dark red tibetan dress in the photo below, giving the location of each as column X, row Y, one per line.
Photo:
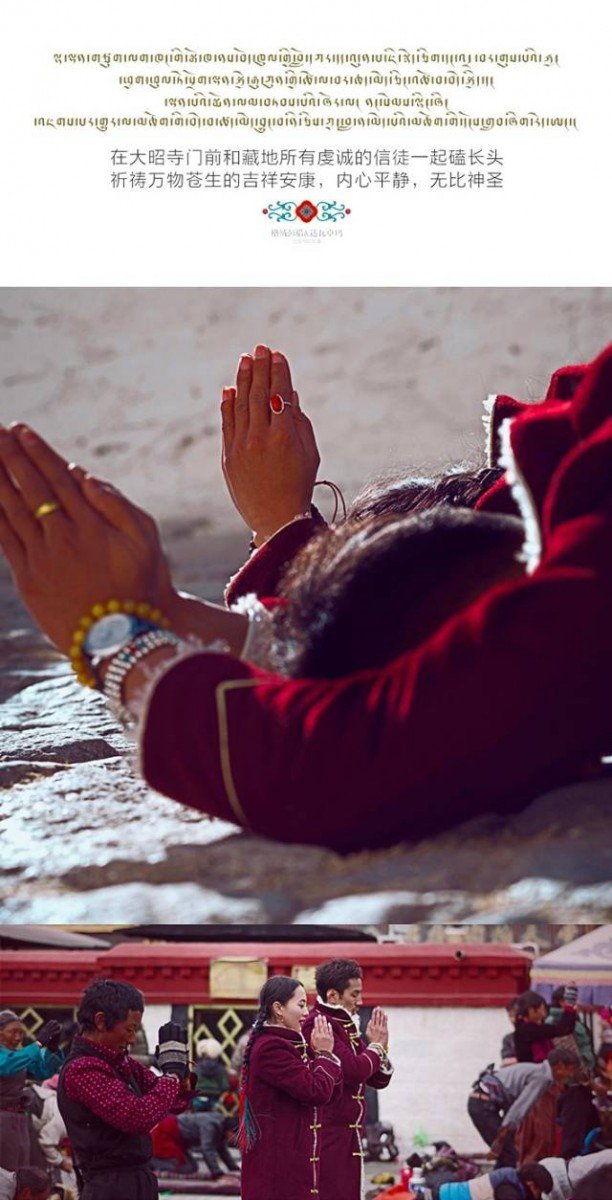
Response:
column 343, row 1119
column 287, row 1088
column 508, row 699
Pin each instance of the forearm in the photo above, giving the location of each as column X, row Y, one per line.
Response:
column 39, row 1062
column 193, row 617
column 111, row 1099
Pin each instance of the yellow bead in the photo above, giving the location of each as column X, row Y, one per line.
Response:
column 86, row 622
column 129, row 606
column 79, row 637
column 98, row 611
column 155, row 615
column 113, row 606
column 75, row 652
column 142, row 609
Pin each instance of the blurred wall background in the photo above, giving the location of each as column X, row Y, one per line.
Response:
column 127, row 381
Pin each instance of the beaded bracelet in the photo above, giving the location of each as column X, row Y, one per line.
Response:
column 78, row 660
column 122, row 662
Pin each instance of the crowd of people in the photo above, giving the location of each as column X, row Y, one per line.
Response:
column 354, row 651
column 115, row 1124
column 288, row 1116
column 547, row 1105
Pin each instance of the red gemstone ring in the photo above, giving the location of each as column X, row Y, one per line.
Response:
column 278, row 404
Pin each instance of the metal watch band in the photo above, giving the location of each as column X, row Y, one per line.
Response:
column 126, row 658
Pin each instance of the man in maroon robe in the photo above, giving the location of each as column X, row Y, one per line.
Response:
column 364, row 1062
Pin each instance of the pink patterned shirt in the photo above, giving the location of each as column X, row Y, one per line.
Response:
column 94, row 1082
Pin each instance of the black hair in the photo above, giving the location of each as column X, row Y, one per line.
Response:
column 461, row 487
column 533, row 1172
column 33, row 1178
column 595, row 1185
column 528, row 1000
column 230, row 1125
column 512, row 1004
column 362, row 594
column 278, row 988
column 561, row 1054
column 110, row 997
column 336, row 974
column 558, row 995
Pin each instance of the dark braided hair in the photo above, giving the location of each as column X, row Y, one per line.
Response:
column 278, row 988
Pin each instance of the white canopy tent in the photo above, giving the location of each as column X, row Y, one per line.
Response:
column 586, row 962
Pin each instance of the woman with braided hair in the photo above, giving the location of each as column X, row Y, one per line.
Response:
column 283, row 1083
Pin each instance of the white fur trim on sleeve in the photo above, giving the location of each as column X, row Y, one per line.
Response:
column 531, row 551
column 259, row 640
column 488, row 421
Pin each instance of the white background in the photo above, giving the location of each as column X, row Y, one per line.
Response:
column 62, row 224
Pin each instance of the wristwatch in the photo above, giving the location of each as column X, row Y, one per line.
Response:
column 110, row 633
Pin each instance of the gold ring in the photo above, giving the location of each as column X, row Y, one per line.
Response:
column 43, row 510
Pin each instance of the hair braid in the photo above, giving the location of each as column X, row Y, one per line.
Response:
column 281, row 988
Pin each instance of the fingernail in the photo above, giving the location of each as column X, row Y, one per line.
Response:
column 261, row 351
column 227, row 393
column 245, row 360
column 277, row 357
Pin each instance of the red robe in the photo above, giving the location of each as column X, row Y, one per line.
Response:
column 286, row 1085
column 508, row 699
column 344, row 1119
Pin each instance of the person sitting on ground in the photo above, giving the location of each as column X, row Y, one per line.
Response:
column 501, row 1098
column 234, row 741
column 27, row 1183
column 530, row 1182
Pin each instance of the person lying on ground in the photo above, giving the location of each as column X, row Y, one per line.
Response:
column 525, row 665
column 530, row 1182
column 567, row 1175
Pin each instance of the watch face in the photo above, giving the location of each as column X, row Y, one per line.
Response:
column 108, row 634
